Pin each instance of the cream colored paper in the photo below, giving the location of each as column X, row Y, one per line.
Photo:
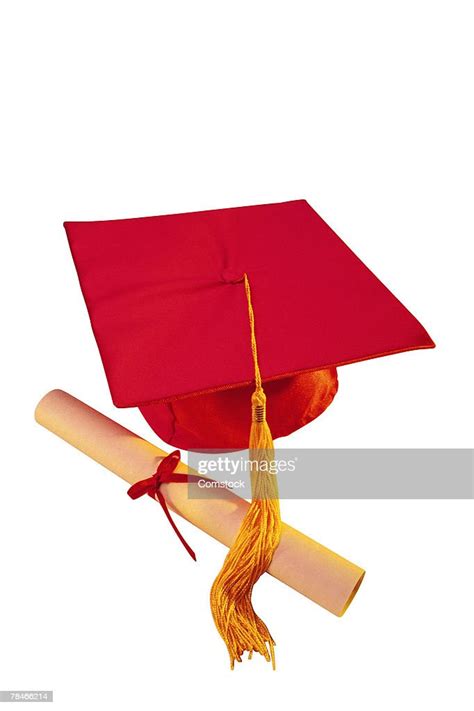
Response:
column 307, row 566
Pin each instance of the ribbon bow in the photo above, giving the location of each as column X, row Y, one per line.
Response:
column 164, row 474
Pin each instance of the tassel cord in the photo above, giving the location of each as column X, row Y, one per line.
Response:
column 257, row 539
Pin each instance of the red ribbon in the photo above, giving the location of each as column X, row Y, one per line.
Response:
column 165, row 474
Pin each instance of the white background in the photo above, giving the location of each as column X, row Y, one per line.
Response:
column 123, row 109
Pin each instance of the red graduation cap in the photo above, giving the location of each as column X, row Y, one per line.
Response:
column 196, row 314
column 166, row 300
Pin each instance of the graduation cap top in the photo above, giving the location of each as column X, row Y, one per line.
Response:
column 168, row 308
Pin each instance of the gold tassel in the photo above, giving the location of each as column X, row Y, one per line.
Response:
column 258, row 537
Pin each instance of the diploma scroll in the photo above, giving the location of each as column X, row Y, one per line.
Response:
column 303, row 564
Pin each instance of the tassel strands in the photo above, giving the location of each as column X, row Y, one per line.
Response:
column 257, row 539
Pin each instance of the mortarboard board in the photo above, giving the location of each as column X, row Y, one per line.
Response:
column 193, row 312
column 169, row 314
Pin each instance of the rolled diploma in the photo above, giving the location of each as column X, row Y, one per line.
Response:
column 307, row 566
